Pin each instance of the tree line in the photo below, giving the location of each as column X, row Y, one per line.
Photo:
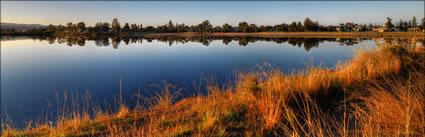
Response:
column 307, row 25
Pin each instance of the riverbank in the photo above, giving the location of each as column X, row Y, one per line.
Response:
column 377, row 89
column 294, row 34
column 233, row 34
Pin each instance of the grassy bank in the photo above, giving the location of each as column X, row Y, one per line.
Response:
column 379, row 92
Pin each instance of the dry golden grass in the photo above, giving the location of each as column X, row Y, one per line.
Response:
column 379, row 92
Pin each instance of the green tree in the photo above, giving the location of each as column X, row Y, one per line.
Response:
column 243, row 26
column 400, row 25
column 205, row 26
column 227, row 28
column 253, row 28
column 423, row 23
column 171, row 26
column 308, row 24
column 389, row 25
column 414, row 23
column 300, row 26
column 217, row 29
column 292, row 27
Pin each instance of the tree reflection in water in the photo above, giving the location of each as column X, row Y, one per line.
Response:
column 302, row 42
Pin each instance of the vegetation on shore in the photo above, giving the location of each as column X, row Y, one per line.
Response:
column 379, row 92
column 115, row 28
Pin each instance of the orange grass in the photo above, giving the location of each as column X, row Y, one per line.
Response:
column 379, row 92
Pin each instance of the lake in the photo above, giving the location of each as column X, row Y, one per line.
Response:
column 34, row 70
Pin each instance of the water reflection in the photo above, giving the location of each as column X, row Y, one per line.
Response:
column 306, row 43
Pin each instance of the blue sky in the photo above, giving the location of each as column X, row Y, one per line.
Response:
column 218, row 12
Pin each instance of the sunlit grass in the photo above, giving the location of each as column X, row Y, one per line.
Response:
column 379, row 92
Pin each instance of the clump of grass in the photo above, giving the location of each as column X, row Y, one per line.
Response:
column 385, row 87
column 395, row 107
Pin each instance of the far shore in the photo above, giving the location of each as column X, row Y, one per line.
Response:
column 292, row 34
column 239, row 34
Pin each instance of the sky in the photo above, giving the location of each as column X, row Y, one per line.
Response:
column 217, row 12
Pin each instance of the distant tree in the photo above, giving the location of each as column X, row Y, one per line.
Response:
column 292, row 27
column 243, row 26
column 171, row 26
column 51, row 28
column 81, row 26
column 217, row 29
column 423, row 23
column 60, row 28
column 205, row 26
column 300, row 26
column 406, row 25
column 389, row 25
column 262, row 28
column 134, row 28
column 308, row 24
column 105, row 27
column 400, row 25
column 115, row 26
column 370, row 27
column 150, row 29
column 98, row 27
column 181, row 28
column 349, row 26
column 227, row 28
column 126, row 27
column 414, row 23
column 253, row 28
column 69, row 26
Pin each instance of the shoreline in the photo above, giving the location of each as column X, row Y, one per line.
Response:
column 251, row 34
column 292, row 34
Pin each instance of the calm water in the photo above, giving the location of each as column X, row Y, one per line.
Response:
column 34, row 70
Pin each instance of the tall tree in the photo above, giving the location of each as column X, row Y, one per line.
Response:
column 171, row 26
column 414, row 23
column 423, row 23
column 389, row 25
column 115, row 26
column 400, row 25
column 308, row 24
